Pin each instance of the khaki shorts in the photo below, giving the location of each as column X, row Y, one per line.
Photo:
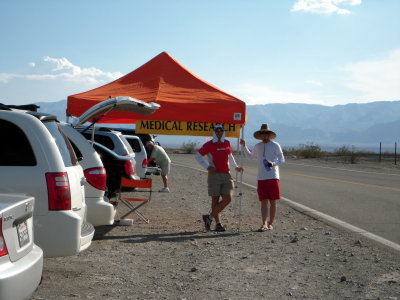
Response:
column 219, row 184
column 165, row 168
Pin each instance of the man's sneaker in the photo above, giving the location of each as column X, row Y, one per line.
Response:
column 219, row 227
column 164, row 190
column 207, row 222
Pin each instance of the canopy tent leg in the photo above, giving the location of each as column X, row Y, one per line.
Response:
column 239, row 183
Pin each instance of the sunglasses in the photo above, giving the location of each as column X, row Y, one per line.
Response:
column 219, row 130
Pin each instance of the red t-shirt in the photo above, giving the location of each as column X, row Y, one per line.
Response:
column 217, row 154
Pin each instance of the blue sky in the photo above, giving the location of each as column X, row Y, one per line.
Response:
column 262, row 51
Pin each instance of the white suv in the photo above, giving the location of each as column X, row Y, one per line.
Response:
column 113, row 140
column 99, row 210
column 37, row 159
column 140, row 155
column 137, row 143
column 142, row 169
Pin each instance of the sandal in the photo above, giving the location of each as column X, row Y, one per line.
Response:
column 270, row 227
column 263, row 228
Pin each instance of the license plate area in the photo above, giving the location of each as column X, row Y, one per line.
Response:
column 23, row 234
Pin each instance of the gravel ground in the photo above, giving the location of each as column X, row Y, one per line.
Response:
column 173, row 257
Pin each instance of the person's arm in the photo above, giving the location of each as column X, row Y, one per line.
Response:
column 280, row 159
column 201, row 161
column 232, row 162
column 245, row 150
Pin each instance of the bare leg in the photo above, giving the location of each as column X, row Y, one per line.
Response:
column 217, row 206
column 165, row 180
column 264, row 212
column 214, row 203
column 272, row 212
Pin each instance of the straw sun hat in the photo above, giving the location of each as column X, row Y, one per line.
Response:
column 264, row 129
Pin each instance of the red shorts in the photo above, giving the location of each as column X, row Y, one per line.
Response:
column 268, row 189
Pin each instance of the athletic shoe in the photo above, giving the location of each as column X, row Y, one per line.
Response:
column 164, row 190
column 219, row 227
column 207, row 222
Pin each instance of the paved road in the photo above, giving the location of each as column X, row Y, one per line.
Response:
column 367, row 199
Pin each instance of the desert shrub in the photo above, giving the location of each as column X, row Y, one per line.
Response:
column 342, row 151
column 305, row 151
column 349, row 155
column 189, row 147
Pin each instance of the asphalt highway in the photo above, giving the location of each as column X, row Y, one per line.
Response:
column 365, row 198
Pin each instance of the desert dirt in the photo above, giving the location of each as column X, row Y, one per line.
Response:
column 173, row 257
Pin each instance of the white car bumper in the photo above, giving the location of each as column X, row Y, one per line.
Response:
column 62, row 233
column 100, row 211
column 19, row 280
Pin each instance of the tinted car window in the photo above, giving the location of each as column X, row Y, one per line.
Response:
column 104, row 155
column 78, row 152
column 101, row 139
column 127, row 145
column 66, row 150
column 135, row 145
column 15, row 149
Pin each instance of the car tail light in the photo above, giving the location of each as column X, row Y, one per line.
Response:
column 3, row 247
column 145, row 163
column 96, row 177
column 129, row 169
column 58, row 191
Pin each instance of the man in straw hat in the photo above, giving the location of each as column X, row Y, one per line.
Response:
column 220, row 182
column 270, row 156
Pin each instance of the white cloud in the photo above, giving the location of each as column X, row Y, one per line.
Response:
column 5, row 77
column 62, row 69
column 376, row 80
column 253, row 93
column 325, row 6
column 314, row 82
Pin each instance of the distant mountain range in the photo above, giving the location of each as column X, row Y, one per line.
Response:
column 360, row 125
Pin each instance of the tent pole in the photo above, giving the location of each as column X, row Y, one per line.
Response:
column 236, row 203
column 241, row 182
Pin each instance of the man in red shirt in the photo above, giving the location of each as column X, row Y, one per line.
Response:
column 220, row 182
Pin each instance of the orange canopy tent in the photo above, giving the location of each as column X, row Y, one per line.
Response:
column 182, row 96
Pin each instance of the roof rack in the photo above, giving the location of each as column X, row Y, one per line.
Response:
column 29, row 107
column 105, row 129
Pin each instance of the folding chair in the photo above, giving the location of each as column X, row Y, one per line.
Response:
column 141, row 185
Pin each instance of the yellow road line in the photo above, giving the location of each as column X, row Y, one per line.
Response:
column 343, row 181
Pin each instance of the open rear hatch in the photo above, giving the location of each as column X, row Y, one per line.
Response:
column 120, row 103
